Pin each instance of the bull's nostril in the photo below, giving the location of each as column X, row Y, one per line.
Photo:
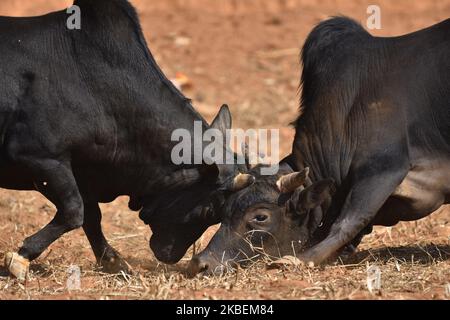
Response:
column 197, row 266
column 203, row 267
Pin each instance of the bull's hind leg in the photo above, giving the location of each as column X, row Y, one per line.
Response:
column 54, row 180
column 106, row 256
column 349, row 250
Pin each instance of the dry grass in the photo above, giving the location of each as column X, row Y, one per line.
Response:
column 414, row 259
column 401, row 279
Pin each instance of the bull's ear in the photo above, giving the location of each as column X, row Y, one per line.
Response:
column 311, row 197
column 223, row 119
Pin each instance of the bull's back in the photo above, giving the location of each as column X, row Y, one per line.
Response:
column 42, row 88
column 27, row 52
column 419, row 79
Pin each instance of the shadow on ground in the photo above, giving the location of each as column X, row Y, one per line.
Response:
column 414, row 253
column 155, row 266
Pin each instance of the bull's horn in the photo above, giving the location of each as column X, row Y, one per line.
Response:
column 242, row 181
column 182, row 178
column 290, row 182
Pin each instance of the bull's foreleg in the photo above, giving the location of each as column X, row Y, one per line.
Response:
column 106, row 256
column 363, row 202
column 56, row 181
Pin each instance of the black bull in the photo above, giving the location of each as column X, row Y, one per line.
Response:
column 374, row 131
column 86, row 116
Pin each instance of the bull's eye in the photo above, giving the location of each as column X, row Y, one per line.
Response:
column 261, row 218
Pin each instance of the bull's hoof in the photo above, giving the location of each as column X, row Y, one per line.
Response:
column 347, row 253
column 114, row 265
column 17, row 265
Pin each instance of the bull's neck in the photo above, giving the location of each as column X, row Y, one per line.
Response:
column 172, row 121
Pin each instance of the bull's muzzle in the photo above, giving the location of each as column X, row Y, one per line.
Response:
column 206, row 264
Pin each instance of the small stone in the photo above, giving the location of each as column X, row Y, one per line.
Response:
column 182, row 41
column 73, row 282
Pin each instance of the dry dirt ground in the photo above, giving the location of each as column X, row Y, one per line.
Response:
column 244, row 53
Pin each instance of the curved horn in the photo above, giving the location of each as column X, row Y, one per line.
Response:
column 182, row 178
column 290, row 182
column 242, row 181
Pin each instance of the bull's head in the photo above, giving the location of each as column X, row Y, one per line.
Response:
column 191, row 202
column 274, row 217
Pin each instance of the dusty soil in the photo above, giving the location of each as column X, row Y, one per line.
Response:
column 244, row 53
